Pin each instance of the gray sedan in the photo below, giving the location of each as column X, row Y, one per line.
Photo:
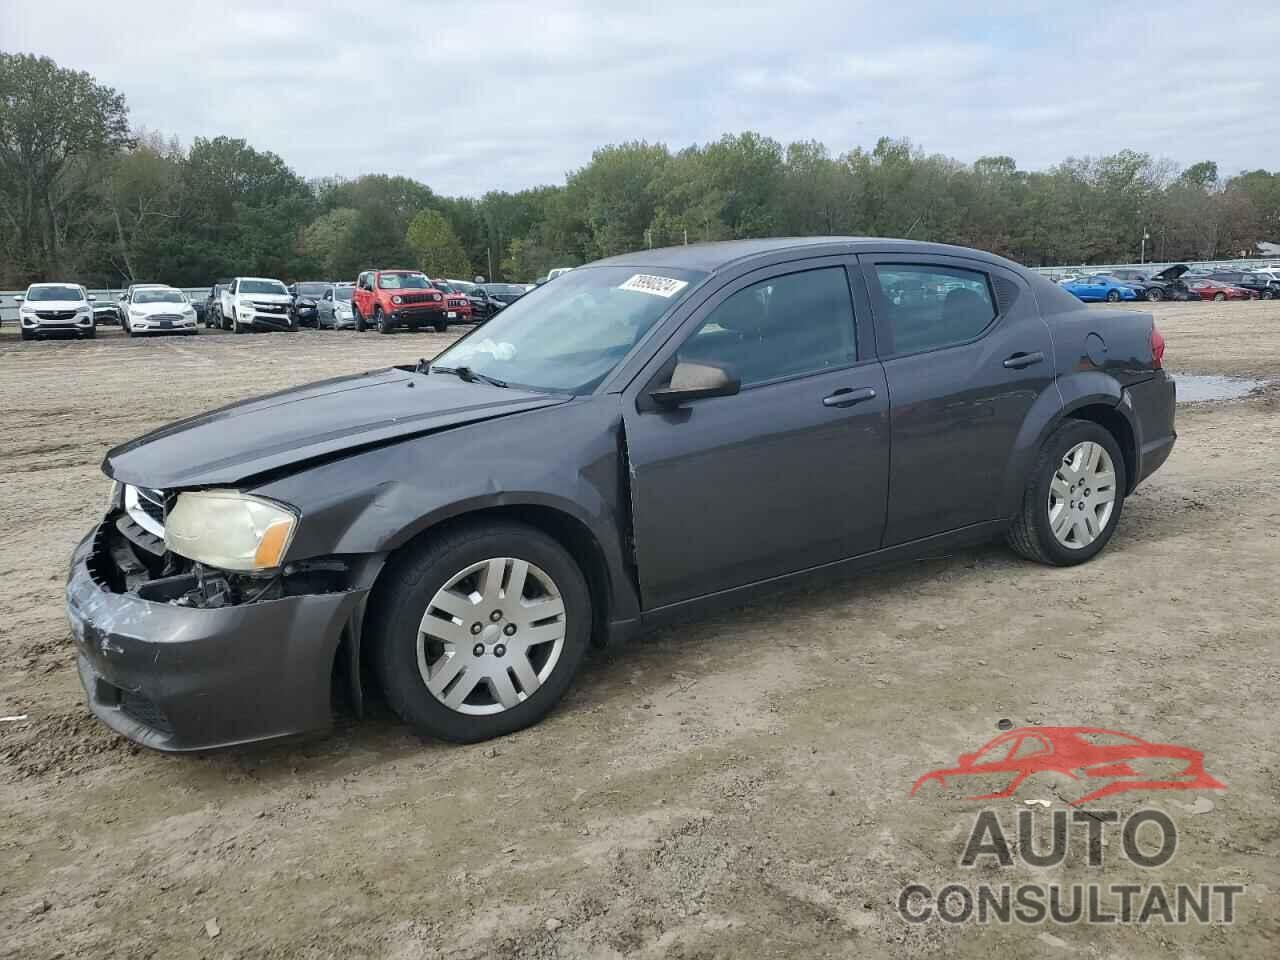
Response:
column 649, row 436
column 333, row 309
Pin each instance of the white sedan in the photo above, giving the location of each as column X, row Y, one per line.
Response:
column 157, row 309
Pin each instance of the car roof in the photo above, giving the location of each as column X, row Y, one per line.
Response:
column 53, row 283
column 710, row 257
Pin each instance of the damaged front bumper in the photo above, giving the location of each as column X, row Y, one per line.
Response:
column 181, row 678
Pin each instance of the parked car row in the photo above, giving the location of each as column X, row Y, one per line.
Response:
column 384, row 300
column 1178, row 282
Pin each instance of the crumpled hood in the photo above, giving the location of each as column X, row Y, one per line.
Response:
column 1172, row 273
column 281, row 430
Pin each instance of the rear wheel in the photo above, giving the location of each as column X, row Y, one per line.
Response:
column 1113, row 296
column 1073, row 498
column 360, row 324
column 478, row 633
column 1219, row 296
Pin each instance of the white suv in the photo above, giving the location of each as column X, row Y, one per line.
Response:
column 61, row 309
column 255, row 303
column 155, row 308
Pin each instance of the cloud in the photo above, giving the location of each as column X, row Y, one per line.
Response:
column 473, row 96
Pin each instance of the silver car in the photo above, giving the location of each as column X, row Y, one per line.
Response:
column 333, row 310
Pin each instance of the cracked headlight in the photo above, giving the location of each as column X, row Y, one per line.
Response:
column 230, row 530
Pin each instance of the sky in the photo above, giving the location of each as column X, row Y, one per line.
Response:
column 469, row 97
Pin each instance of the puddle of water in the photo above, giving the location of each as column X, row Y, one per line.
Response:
column 1201, row 388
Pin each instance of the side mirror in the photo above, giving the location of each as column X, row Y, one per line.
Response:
column 19, row 299
column 122, row 297
column 695, row 381
column 92, row 298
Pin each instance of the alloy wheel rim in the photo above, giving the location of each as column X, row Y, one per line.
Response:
column 1082, row 495
column 491, row 636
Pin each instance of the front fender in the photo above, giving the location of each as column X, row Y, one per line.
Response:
column 565, row 458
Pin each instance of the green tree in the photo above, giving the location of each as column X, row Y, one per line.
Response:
column 436, row 246
column 58, row 130
column 327, row 235
column 144, row 196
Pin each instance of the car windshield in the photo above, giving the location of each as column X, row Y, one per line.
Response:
column 263, row 286
column 570, row 335
column 505, row 290
column 158, row 296
column 402, row 281
column 343, row 293
column 442, row 286
column 310, row 289
column 45, row 294
column 462, row 286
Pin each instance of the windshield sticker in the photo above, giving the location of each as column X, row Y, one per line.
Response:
column 658, row 286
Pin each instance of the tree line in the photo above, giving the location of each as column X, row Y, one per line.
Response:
column 83, row 195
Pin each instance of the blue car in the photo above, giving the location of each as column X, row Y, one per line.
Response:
column 1099, row 287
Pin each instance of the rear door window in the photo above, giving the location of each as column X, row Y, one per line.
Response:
column 930, row 306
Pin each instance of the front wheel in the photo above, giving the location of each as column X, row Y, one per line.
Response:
column 235, row 324
column 380, row 321
column 478, row 633
column 1155, row 294
column 1073, row 498
column 441, row 325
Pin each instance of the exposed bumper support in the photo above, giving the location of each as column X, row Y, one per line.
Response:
column 180, row 678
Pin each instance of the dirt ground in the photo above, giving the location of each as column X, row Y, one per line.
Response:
column 736, row 786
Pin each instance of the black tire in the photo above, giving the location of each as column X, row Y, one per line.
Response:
column 380, row 321
column 1155, row 294
column 1030, row 535
column 1113, row 296
column 360, row 324
column 27, row 334
column 235, row 324
column 1219, row 296
column 91, row 334
column 406, row 588
column 441, row 326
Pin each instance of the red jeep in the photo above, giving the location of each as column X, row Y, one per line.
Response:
column 387, row 299
column 457, row 306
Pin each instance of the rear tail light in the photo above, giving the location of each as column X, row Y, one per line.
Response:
column 1157, row 348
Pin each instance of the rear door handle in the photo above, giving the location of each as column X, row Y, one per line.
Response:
column 1020, row 360
column 847, row 397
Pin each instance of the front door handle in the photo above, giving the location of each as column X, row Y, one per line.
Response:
column 1020, row 360
column 847, row 397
